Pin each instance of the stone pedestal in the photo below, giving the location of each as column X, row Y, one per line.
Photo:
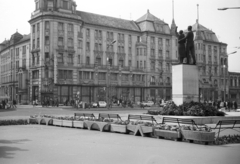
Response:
column 185, row 83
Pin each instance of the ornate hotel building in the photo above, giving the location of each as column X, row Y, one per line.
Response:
column 100, row 56
column 14, row 68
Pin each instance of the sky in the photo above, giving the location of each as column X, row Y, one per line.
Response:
column 15, row 15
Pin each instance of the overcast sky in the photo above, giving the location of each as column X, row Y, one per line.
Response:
column 15, row 15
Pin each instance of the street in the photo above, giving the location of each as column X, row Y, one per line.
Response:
column 41, row 144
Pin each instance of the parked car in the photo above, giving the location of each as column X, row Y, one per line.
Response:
column 147, row 103
column 102, row 104
column 94, row 104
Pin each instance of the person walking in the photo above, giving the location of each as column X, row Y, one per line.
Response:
column 14, row 103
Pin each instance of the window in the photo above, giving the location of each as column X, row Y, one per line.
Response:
column 129, row 39
column 70, row 27
column 47, row 58
column 144, row 64
column 70, row 58
column 47, row 40
column 129, row 50
column 38, row 58
column 159, row 41
column 24, row 50
column 79, row 59
column 141, row 64
column 152, row 52
column 47, row 25
column 60, row 58
column 46, row 73
column 37, row 5
column 38, row 27
column 88, row 46
column 35, row 74
column 120, row 63
column 24, row 63
column 33, row 43
column 137, row 64
column 60, row 26
column 110, row 61
column 152, row 65
column 80, row 44
column 60, row 41
column 138, row 39
column 88, row 32
column 98, row 61
column 65, row 5
column 17, row 64
column 38, row 42
column 152, row 40
column 17, row 53
column 129, row 63
column 70, row 42
column 167, row 42
column 167, row 54
column 87, row 60
column 33, row 29
column 168, row 67
column 65, row 74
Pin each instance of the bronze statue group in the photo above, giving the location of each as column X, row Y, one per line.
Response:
column 186, row 46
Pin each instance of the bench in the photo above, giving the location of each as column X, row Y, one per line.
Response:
column 85, row 115
column 141, row 117
column 180, row 121
column 227, row 124
column 109, row 116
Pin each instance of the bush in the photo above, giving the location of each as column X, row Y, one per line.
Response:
column 188, row 109
column 13, row 122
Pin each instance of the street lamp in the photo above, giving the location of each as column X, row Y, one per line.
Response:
column 224, row 73
column 108, row 75
column 226, row 8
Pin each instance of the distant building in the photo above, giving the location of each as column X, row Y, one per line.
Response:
column 234, row 86
column 212, row 61
column 14, row 60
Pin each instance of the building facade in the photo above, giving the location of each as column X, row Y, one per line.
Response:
column 101, row 57
column 212, row 62
column 234, row 87
column 14, row 59
column 73, row 51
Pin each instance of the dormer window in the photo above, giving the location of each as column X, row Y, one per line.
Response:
column 65, row 5
column 37, row 5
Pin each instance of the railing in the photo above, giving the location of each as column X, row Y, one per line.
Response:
column 60, row 33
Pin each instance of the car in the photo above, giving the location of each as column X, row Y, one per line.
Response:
column 147, row 103
column 94, row 104
column 102, row 104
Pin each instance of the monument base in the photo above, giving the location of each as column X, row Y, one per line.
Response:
column 185, row 83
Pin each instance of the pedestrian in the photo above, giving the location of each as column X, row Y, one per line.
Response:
column 14, row 103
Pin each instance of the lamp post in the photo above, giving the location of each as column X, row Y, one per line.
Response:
column 224, row 73
column 108, row 75
column 226, row 8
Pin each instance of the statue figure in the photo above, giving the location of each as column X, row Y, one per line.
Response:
column 189, row 45
column 181, row 45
